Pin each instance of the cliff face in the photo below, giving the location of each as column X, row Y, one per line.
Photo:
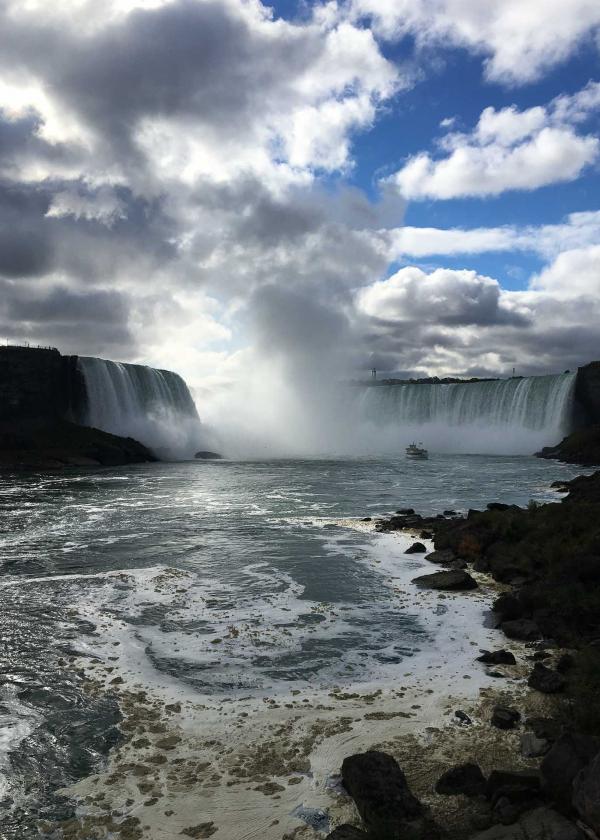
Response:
column 40, row 385
column 587, row 393
column 42, row 404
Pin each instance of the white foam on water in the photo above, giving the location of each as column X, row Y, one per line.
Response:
column 17, row 722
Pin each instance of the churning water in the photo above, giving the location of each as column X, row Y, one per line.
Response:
column 228, row 578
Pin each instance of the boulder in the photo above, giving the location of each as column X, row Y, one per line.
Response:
column 464, row 779
column 521, row 628
column 497, row 506
column 381, row 793
column 452, row 581
column 206, row 455
column 568, row 756
column 406, row 512
column 532, row 746
column 497, row 657
column 546, row 680
column 546, row 728
column 463, row 717
column 539, row 824
column 502, row 780
column 346, row 832
column 508, row 607
column 586, row 794
column 504, row 717
column 441, row 556
column 416, row 548
column 565, row 663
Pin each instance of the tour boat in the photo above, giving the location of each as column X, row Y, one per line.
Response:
column 417, row 452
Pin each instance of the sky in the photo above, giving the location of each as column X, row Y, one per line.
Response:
column 221, row 187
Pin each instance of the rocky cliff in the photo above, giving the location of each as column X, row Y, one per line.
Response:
column 40, row 384
column 42, row 406
column 587, row 394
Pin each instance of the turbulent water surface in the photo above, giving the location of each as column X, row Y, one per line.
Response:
column 259, row 561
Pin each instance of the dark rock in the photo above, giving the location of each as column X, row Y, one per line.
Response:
column 441, row 556
column 546, row 680
column 565, row 663
column 510, row 803
column 580, row 447
column 497, row 657
column 497, row 506
column 508, row 607
column 40, row 384
column 406, row 512
column 567, row 757
column 347, row 832
column 502, row 564
column 381, row 793
column 463, row 717
column 450, row 513
column 452, row 581
column 532, row 746
column 416, row 548
column 464, row 779
column 504, row 717
column 366, row 519
column 540, row 824
column 521, row 628
column 63, row 444
column 586, row 794
column 206, row 455
column 501, row 780
column 426, row 535
column 545, row 728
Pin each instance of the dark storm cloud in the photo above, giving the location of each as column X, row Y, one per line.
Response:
column 26, row 246
column 59, row 315
column 184, row 59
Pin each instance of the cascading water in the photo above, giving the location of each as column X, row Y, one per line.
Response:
column 498, row 416
column 153, row 406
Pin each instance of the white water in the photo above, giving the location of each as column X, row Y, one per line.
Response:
column 515, row 416
column 154, row 406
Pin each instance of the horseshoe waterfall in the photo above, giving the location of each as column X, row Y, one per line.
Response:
column 151, row 405
column 513, row 416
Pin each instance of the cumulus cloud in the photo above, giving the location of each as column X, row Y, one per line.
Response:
column 170, row 193
column 520, row 39
column 508, row 149
column 457, row 321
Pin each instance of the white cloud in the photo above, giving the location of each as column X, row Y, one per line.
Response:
column 579, row 230
column 444, row 296
column 455, row 321
column 574, row 273
column 521, row 39
column 507, row 150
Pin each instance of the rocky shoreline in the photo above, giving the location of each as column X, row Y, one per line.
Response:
column 549, row 558
column 514, row 760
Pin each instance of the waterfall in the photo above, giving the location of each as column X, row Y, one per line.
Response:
column 153, row 406
column 504, row 416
